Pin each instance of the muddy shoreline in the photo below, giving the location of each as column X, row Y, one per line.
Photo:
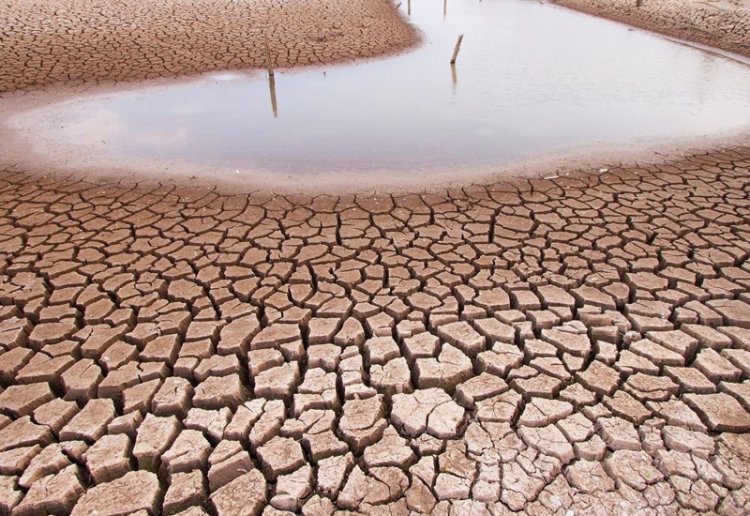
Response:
column 581, row 161
column 724, row 25
column 592, row 160
column 99, row 42
column 63, row 158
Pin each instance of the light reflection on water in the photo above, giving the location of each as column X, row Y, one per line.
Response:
column 531, row 78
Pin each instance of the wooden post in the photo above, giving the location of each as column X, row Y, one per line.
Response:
column 272, row 87
column 456, row 49
column 269, row 63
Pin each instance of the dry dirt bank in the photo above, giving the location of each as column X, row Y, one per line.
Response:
column 44, row 42
column 722, row 24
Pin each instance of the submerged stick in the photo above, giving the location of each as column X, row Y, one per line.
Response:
column 269, row 63
column 456, row 49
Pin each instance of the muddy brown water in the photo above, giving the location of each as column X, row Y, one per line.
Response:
column 531, row 79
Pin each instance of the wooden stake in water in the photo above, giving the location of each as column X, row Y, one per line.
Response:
column 269, row 63
column 456, row 49
column 272, row 88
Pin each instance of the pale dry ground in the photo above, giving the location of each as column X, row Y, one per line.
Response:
column 581, row 343
column 723, row 24
column 43, row 42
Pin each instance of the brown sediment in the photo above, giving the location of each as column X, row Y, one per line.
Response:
column 89, row 41
column 548, row 345
column 723, row 24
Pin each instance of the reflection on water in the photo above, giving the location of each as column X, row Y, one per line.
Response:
column 534, row 78
column 272, row 89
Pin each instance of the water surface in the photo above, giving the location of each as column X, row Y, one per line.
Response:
column 531, row 79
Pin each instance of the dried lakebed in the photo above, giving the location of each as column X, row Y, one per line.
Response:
column 567, row 346
column 532, row 79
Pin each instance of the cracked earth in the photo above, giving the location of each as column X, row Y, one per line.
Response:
column 90, row 41
column 723, row 24
column 543, row 346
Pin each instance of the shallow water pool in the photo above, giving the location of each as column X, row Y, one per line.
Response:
column 531, row 79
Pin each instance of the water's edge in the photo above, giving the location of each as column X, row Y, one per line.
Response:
column 17, row 154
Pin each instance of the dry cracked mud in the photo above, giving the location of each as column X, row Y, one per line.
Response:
column 562, row 346
column 723, row 24
column 90, row 41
